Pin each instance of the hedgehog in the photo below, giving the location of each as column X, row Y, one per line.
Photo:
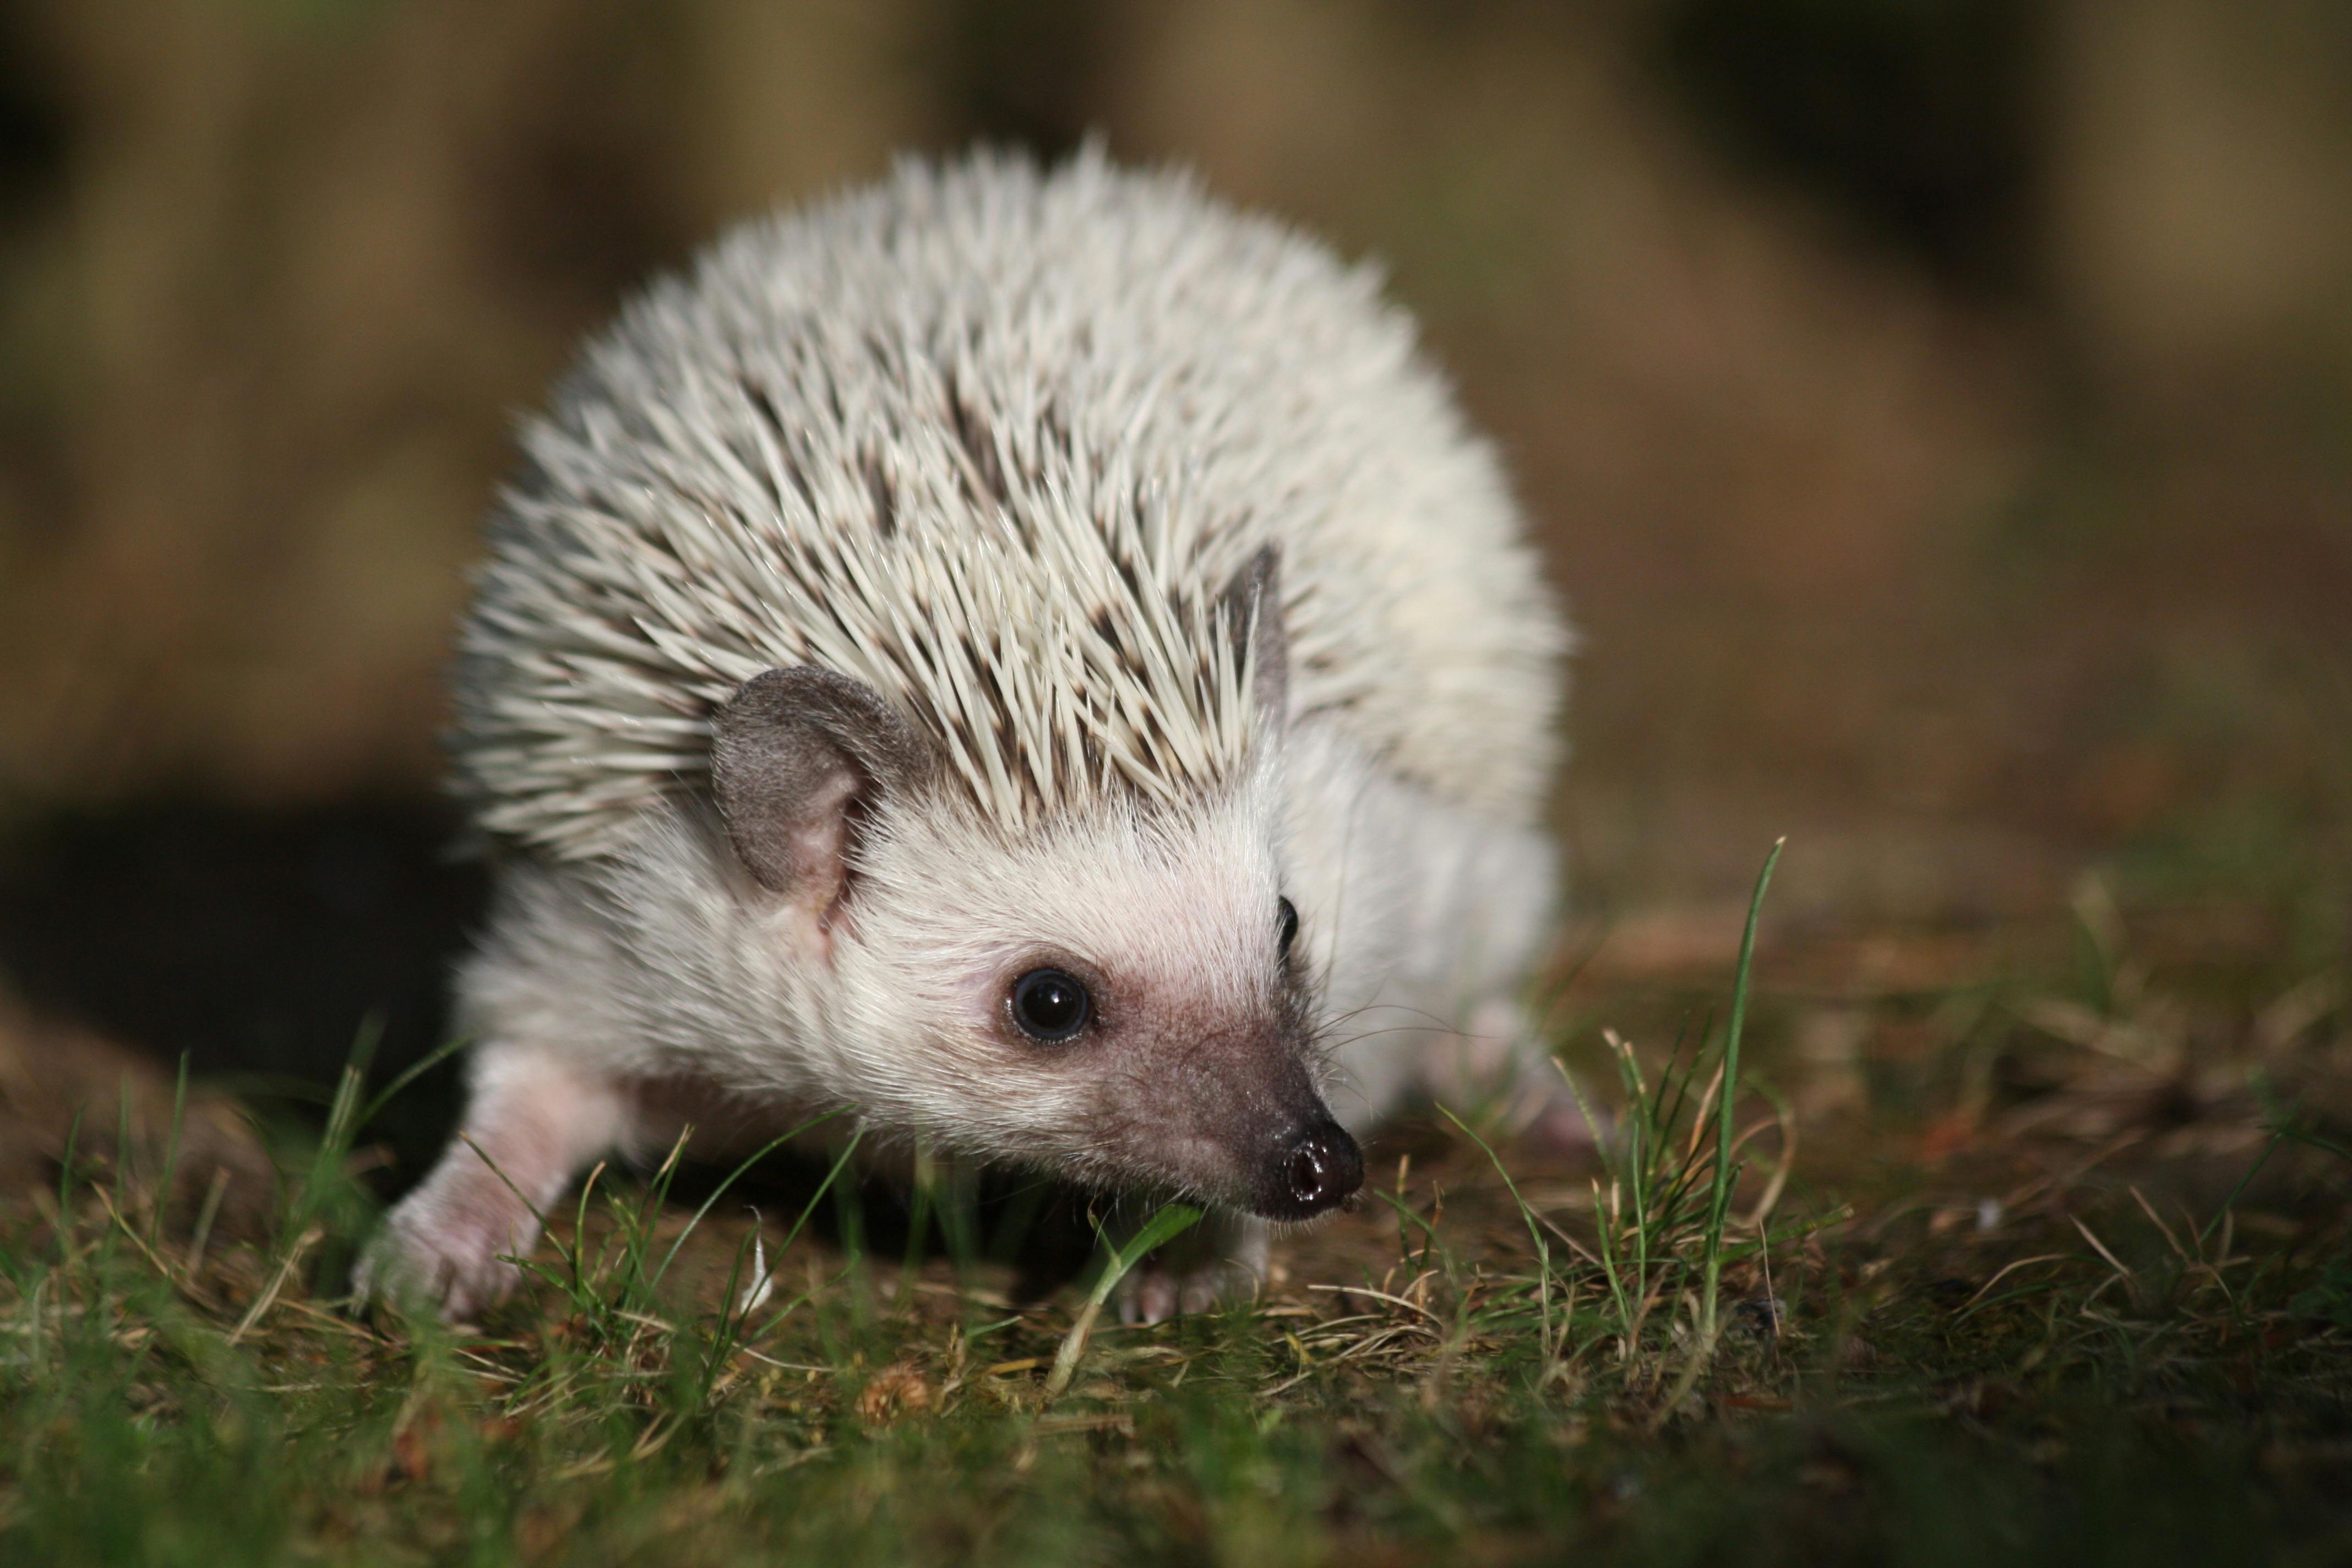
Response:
column 1030, row 656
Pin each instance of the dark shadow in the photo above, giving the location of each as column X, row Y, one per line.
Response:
column 1022, row 73
column 1918, row 118
column 259, row 943
column 1042, row 1228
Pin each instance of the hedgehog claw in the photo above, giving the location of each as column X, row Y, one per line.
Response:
column 1150, row 1298
column 1222, row 1262
column 456, row 1264
column 1155, row 1295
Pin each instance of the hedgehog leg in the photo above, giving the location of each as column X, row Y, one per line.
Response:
column 1499, row 896
column 1502, row 1054
column 531, row 1122
column 1220, row 1260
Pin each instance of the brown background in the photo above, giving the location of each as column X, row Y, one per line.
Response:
column 1938, row 416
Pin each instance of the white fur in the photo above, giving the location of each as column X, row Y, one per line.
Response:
column 995, row 442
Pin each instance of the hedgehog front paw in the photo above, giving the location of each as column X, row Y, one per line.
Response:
column 1153, row 1295
column 455, row 1258
column 1221, row 1261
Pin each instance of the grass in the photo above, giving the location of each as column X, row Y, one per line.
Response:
column 1694, row 1355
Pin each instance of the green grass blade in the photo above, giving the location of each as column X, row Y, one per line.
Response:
column 840, row 1163
column 1719, row 1207
column 1535, row 1231
column 391, row 1091
column 732, row 1177
column 1172, row 1221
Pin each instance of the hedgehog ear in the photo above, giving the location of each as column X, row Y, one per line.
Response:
column 1253, row 600
column 792, row 752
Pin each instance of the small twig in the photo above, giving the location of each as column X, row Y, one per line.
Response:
column 2008, row 1269
column 1379, row 1295
column 336, row 1321
column 2162, row 1230
column 185, row 1286
column 204, row 1217
column 2129, row 1278
column 277, row 1283
column 766, row 1360
column 1780, row 1181
column 1719, row 1207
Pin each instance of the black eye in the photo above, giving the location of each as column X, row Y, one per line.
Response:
column 1050, row 1006
column 1289, row 914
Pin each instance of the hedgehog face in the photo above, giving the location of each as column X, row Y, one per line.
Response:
column 1123, row 997
column 1120, row 993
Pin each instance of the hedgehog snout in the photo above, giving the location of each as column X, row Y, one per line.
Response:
column 1316, row 1171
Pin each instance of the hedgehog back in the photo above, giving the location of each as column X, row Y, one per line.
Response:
column 997, row 441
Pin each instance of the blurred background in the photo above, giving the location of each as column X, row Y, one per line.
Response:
column 1938, row 413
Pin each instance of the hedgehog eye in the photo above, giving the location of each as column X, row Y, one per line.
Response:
column 1050, row 1006
column 1288, row 914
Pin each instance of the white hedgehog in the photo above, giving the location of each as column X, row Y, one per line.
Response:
column 1036, row 657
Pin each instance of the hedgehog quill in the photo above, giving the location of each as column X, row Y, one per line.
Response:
column 1034, row 655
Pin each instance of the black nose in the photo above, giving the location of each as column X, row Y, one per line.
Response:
column 1322, row 1167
